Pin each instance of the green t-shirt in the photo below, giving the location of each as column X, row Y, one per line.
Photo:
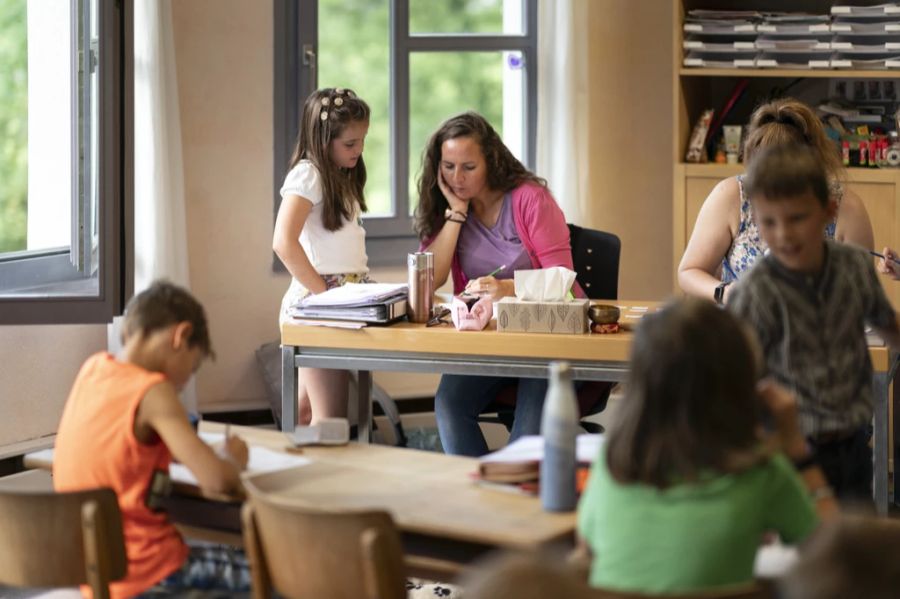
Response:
column 689, row 536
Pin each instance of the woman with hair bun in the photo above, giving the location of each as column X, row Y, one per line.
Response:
column 726, row 241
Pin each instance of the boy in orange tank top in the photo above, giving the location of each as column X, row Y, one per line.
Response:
column 123, row 423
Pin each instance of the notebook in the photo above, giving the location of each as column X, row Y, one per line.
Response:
column 380, row 312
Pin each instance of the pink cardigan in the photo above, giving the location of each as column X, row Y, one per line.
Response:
column 542, row 228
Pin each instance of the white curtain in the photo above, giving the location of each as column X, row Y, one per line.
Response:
column 160, row 228
column 160, row 235
column 562, row 135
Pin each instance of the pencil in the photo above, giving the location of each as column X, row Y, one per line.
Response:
column 495, row 271
column 876, row 254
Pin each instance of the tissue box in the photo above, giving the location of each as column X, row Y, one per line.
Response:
column 525, row 316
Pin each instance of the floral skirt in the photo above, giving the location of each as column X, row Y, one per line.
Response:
column 297, row 292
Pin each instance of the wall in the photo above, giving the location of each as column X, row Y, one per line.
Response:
column 224, row 53
column 37, row 367
column 631, row 137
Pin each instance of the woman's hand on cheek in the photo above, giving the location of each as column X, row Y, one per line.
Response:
column 455, row 203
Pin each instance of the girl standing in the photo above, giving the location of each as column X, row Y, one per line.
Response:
column 318, row 231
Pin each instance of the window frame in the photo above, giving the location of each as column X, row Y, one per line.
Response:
column 388, row 238
column 49, row 281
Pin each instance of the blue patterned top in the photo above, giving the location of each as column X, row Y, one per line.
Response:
column 747, row 247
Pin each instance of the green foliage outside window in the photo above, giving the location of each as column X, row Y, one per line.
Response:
column 13, row 125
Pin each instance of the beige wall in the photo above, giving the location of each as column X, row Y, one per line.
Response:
column 631, row 138
column 38, row 365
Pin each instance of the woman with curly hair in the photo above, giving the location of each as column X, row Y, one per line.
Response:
column 479, row 209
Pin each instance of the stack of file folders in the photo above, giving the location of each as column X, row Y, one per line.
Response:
column 374, row 303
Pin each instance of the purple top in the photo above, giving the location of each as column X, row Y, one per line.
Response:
column 482, row 249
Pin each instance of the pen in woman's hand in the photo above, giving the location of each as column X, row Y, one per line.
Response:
column 495, row 271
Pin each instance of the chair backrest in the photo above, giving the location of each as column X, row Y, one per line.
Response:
column 306, row 553
column 61, row 540
column 595, row 256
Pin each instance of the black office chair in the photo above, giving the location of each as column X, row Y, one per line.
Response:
column 595, row 258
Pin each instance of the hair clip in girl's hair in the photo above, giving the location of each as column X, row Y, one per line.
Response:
column 323, row 115
column 338, row 101
column 339, row 90
column 350, row 94
column 325, row 101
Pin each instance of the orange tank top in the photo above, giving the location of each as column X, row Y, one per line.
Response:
column 96, row 447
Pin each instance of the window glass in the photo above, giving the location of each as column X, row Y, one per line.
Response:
column 354, row 52
column 13, row 126
column 465, row 16
column 443, row 84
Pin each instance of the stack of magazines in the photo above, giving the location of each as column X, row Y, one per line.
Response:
column 374, row 303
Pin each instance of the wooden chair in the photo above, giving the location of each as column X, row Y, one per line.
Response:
column 306, row 553
column 61, row 540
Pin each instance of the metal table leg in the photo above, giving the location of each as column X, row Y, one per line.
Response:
column 288, row 388
column 364, row 405
column 880, row 386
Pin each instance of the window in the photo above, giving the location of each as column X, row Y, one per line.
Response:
column 416, row 62
column 64, row 161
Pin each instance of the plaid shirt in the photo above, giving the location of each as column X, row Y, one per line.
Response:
column 812, row 331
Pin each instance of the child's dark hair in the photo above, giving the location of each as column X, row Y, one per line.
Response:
column 691, row 405
column 787, row 171
column 504, row 171
column 326, row 113
column 164, row 304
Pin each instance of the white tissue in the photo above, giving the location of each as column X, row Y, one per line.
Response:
column 544, row 285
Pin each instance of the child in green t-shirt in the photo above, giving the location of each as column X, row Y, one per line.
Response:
column 687, row 482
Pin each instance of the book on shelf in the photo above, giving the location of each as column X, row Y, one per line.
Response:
column 875, row 10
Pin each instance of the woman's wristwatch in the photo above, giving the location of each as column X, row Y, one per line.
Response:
column 455, row 216
column 719, row 293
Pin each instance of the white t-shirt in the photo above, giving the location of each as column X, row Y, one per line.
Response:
column 330, row 252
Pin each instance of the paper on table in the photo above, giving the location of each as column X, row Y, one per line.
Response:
column 261, row 460
column 356, row 294
column 337, row 324
column 530, row 448
column 545, row 284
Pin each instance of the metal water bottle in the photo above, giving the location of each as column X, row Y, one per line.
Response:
column 559, row 426
column 420, row 267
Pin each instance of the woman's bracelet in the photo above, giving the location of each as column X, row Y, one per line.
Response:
column 449, row 213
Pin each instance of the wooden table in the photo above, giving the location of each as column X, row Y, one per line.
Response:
column 446, row 520
column 407, row 347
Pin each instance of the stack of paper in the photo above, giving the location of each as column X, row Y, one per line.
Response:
column 520, row 461
column 362, row 302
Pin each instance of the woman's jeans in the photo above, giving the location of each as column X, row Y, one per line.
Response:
column 460, row 399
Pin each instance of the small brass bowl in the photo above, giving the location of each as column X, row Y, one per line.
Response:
column 603, row 314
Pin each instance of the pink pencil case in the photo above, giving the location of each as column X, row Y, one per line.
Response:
column 471, row 319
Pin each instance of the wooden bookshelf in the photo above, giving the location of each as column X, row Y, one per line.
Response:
column 698, row 88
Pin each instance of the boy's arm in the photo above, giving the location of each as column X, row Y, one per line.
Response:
column 161, row 412
column 890, row 333
column 880, row 313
